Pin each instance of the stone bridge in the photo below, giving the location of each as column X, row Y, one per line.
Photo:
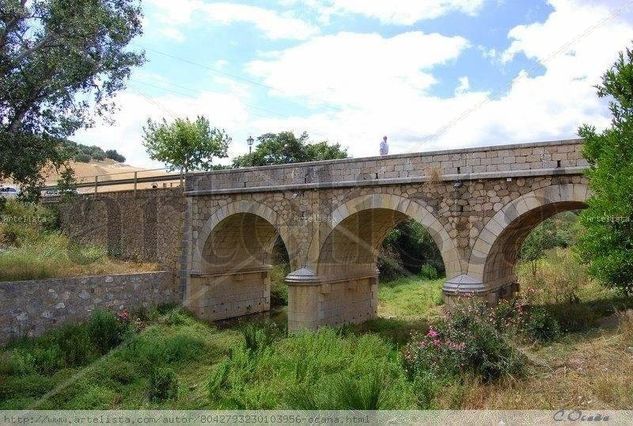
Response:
column 478, row 204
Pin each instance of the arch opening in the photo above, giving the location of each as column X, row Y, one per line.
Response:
column 234, row 267
column 503, row 256
column 348, row 263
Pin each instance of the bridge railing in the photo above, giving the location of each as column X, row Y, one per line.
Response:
column 122, row 181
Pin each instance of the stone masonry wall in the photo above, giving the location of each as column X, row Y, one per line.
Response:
column 481, row 160
column 29, row 308
column 144, row 226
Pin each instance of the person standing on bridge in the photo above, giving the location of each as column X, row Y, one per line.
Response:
column 384, row 146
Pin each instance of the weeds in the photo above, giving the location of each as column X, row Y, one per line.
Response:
column 35, row 249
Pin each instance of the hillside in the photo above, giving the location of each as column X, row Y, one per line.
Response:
column 106, row 169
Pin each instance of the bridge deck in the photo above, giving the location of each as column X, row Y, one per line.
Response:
column 517, row 160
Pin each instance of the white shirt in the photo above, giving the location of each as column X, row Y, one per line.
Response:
column 384, row 147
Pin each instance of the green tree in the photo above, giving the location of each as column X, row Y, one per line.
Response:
column 558, row 231
column 607, row 243
column 185, row 145
column 61, row 63
column 285, row 147
column 114, row 155
column 406, row 250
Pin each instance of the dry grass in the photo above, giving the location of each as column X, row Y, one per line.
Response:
column 31, row 248
column 585, row 372
column 625, row 325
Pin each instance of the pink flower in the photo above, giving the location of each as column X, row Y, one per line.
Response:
column 432, row 333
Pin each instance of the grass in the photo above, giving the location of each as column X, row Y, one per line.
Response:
column 171, row 361
column 31, row 248
column 410, row 298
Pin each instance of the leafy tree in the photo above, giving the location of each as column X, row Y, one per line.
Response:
column 285, row 147
column 61, row 63
column 82, row 157
column 113, row 155
column 406, row 250
column 185, row 145
column 607, row 243
column 558, row 231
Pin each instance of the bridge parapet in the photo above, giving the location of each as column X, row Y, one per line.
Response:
column 530, row 159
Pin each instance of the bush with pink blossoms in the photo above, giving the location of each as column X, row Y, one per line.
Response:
column 467, row 340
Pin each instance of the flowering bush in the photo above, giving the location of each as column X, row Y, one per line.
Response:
column 467, row 339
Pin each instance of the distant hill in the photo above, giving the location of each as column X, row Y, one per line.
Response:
column 106, row 170
column 85, row 154
column 90, row 161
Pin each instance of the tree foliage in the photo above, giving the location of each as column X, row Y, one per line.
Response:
column 285, row 147
column 607, row 243
column 61, row 63
column 113, row 155
column 185, row 145
column 406, row 250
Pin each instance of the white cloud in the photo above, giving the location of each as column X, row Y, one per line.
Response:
column 464, row 85
column 172, row 33
column 274, row 25
column 356, row 70
column 224, row 110
column 381, row 85
column 403, row 12
column 174, row 15
column 367, row 85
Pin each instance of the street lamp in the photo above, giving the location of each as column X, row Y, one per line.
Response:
column 250, row 141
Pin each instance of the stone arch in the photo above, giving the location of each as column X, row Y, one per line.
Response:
column 390, row 209
column 495, row 251
column 230, row 273
column 241, row 213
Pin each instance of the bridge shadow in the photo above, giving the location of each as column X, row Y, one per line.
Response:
column 586, row 315
column 398, row 331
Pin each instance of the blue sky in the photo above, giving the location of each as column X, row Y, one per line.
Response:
column 429, row 74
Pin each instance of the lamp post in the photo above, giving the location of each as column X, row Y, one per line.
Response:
column 250, row 141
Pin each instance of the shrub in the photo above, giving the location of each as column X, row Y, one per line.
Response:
column 105, row 330
column 182, row 347
column 312, row 370
column 163, row 384
column 21, row 362
column 427, row 386
column 114, row 155
column 218, row 378
column 48, row 358
column 82, row 157
column 174, row 317
column 99, row 156
column 278, row 286
column 120, row 371
column 428, row 272
column 558, row 278
column 463, row 341
column 541, row 326
column 260, row 336
column 75, row 344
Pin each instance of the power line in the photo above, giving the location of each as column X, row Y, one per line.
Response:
column 236, row 77
column 189, row 95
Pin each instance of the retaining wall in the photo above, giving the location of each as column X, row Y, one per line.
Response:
column 29, row 308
